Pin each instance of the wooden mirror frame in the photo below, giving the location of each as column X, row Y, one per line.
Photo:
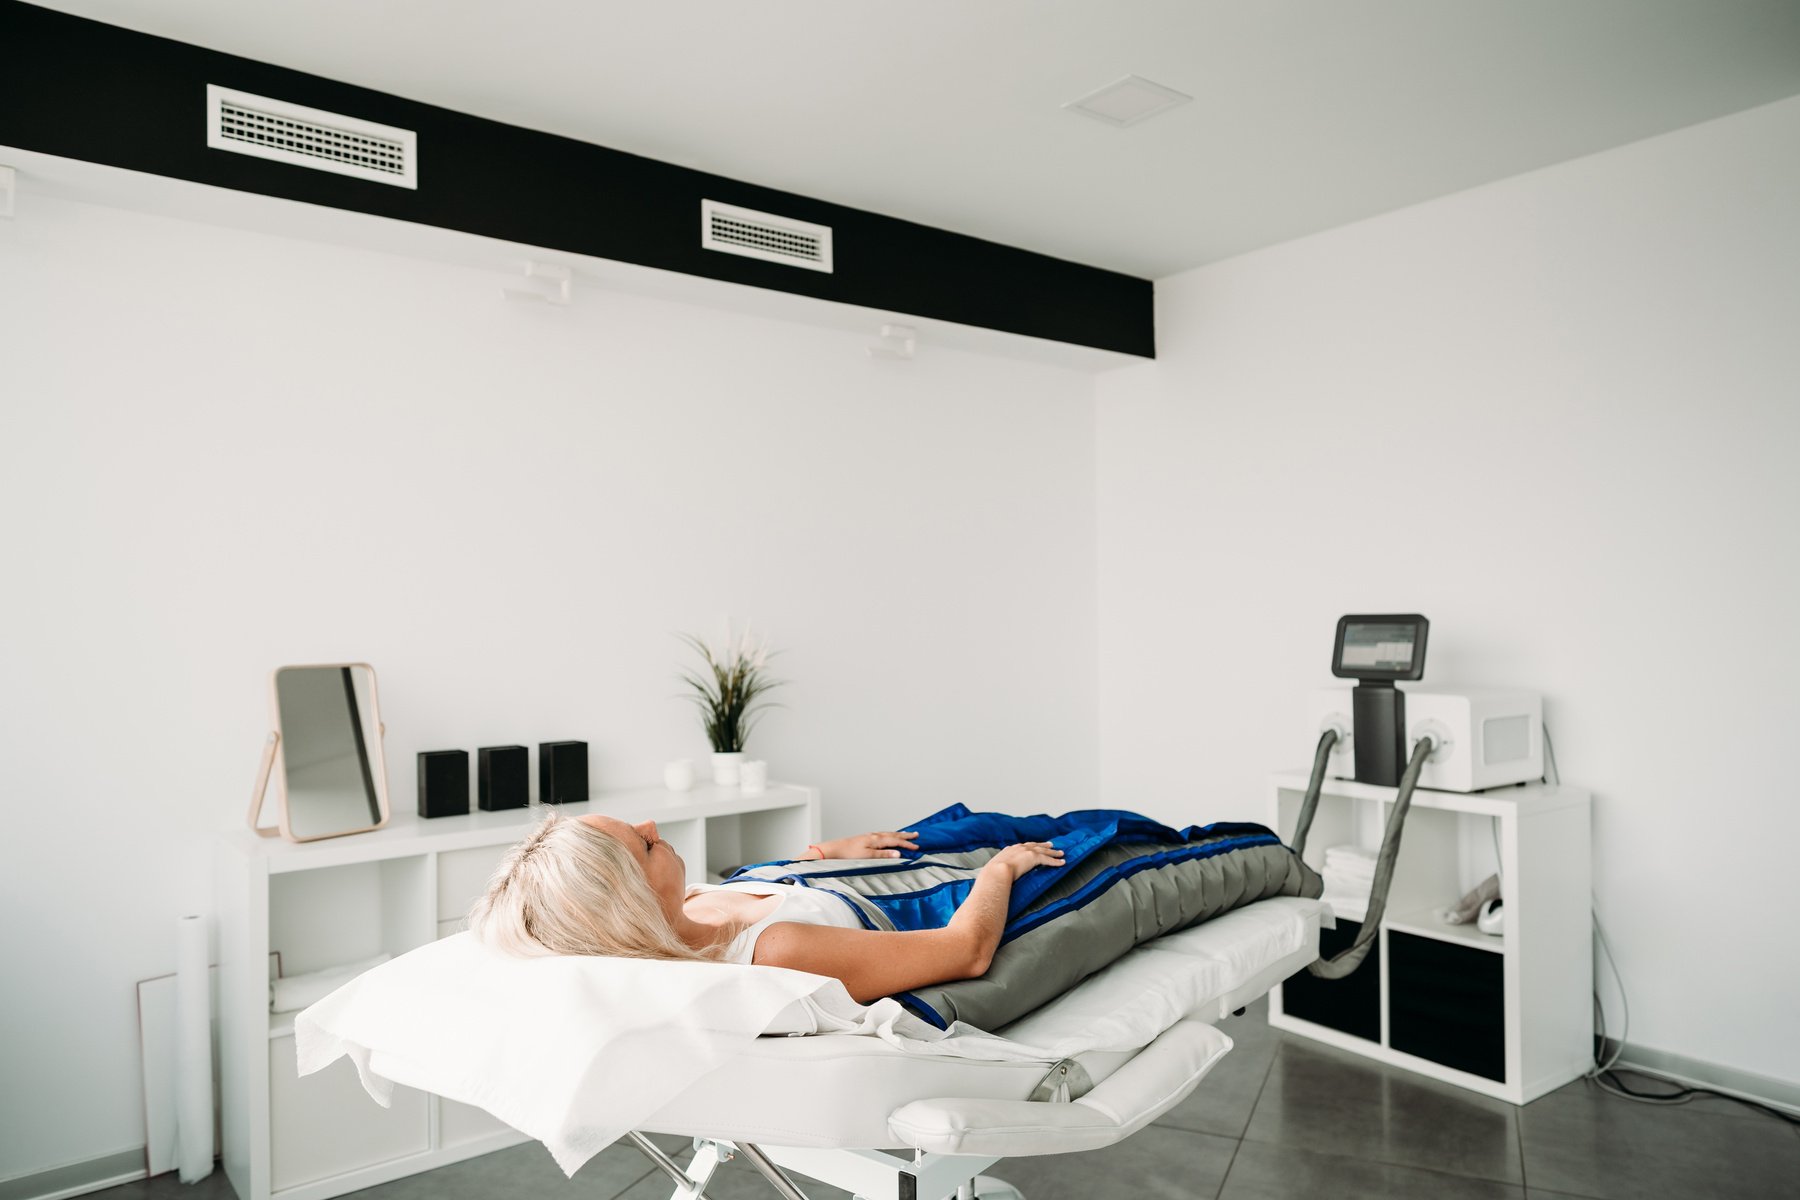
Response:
column 274, row 762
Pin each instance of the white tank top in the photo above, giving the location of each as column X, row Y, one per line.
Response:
column 802, row 905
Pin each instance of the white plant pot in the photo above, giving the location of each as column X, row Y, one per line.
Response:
column 725, row 767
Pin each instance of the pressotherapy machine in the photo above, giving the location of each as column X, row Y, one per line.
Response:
column 1482, row 737
column 1446, row 739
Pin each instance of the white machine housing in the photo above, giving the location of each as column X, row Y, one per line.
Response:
column 1486, row 737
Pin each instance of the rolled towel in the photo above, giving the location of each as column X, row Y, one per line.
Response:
column 302, row 991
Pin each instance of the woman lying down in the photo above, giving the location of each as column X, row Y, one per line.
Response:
column 977, row 917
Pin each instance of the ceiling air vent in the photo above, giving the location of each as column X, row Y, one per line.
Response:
column 732, row 230
column 307, row 137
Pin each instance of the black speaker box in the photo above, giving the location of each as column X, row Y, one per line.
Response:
column 562, row 773
column 505, row 775
column 443, row 783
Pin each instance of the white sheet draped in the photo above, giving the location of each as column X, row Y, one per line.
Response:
column 577, row 1051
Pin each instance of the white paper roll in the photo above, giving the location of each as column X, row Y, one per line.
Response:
column 193, row 1052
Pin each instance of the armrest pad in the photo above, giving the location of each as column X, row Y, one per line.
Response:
column 1157, row 1079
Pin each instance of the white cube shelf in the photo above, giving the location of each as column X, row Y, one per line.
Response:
column 1508, row 1015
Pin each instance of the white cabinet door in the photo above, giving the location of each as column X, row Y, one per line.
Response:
column 325, row 1124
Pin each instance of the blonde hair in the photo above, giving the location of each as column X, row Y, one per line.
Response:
column 571, row 888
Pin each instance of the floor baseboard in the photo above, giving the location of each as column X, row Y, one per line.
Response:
column 1697, row 1073
column 77, row 1179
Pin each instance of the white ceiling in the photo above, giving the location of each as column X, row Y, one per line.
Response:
column 1307, row 114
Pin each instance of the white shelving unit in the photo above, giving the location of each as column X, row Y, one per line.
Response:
column 320, row 904
column 1506, row 1015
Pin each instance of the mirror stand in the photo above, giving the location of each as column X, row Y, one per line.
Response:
column 261, row 790
column 324, row 754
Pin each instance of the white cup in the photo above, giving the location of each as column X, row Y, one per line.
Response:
column 753, row 776
column 678, row 776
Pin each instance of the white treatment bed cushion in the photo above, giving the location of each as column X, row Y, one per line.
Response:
column 575, row 1051
column 844, row 1091
column 1141, row 1090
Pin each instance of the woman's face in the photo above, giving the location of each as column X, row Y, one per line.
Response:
column 663, row 868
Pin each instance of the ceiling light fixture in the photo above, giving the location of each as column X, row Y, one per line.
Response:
column 562, row 285
column 1127, row 100
column 898, row 342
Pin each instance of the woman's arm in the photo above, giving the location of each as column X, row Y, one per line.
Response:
column 874, row 963
column 863, row 845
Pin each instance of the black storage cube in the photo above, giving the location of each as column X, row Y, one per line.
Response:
column 1350, row 1005
column 562, row 773
column 1447, row 1003
column 443, row 783
column 505, row 777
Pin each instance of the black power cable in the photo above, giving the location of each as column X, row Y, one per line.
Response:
column 1609, row 1081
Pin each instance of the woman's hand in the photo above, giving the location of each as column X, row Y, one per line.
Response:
column 865, row 845
column 1015, row 861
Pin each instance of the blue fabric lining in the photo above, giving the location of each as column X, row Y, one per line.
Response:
column 929, row 908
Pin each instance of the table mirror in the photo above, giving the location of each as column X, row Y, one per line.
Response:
column 324, row 753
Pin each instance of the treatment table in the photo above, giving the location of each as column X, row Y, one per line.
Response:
column 580, row 1052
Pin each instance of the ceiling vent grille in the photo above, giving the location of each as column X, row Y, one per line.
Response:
column 732, row 230
column 306, row 137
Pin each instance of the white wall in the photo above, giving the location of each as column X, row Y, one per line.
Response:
column 1559, row 415
column 222, row 451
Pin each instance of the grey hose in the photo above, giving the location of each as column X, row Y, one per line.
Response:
column 1341, row 964
column 1327, row 740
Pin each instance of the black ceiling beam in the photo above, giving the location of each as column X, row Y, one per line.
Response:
column 86, row 90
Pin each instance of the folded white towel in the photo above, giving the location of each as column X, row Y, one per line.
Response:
column 295, row 992
column 1342, row 886
column 1348, row 862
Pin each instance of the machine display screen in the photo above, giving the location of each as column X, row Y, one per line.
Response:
column 1380, row 648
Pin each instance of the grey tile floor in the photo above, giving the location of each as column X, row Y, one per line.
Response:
column 1280, row 1117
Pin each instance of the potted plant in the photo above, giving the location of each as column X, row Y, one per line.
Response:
column 729, row 692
